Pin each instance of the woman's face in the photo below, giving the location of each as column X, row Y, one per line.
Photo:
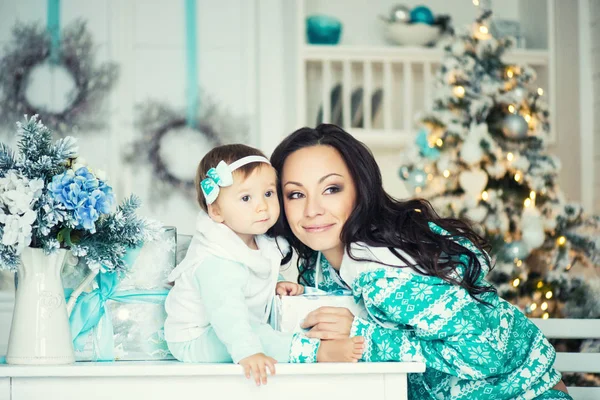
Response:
column 318, row 196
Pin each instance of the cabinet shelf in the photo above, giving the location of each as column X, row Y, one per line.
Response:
column 412, row 54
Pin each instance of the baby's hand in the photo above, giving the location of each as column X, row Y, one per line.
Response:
column 257, row 365
column 289, row 289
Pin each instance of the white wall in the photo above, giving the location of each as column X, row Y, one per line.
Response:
column 594, row 19
column 146, row 38
column 567, row 123
column 244, row 45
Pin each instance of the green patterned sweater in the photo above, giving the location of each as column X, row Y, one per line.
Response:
column 471, row 350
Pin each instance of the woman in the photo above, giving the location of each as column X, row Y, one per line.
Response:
column 420, row 277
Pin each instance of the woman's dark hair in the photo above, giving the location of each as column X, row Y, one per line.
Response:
column 379, row 220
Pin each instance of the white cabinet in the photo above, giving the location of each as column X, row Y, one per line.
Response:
column 374, row 89
column 173, row 379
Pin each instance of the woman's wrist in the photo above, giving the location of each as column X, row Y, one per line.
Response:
column 303, row 349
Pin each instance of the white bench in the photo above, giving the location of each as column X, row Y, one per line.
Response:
column 575, row 362
column 174, row 380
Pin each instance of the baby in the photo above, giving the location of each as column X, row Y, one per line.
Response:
column 218, row 308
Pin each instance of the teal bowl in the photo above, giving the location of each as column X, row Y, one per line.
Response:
column 322, row 29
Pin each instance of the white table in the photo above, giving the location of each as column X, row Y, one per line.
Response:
column 172, row 380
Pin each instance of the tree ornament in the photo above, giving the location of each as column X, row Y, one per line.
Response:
column 417, row 178
column 473, row 182
column 471, row 151
column 477, row 214
column 533, row 234
column 516, row 250
column 421, row 14
column 400, row 13
column 515, row 126
column 519, row 93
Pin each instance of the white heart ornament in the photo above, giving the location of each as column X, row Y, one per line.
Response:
column 473, row 182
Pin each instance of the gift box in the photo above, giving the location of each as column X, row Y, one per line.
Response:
column 183, row 243
column 121, row 317
column 288, row 312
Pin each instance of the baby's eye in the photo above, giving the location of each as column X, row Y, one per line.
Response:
column 269, row 193
column 246, row 199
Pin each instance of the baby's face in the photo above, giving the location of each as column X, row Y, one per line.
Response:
column 250, row 206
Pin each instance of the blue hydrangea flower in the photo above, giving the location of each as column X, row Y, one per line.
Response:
column 84, row 195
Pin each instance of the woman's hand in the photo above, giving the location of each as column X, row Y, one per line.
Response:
column 329, row 323
column 289, row 289
column 256, row 365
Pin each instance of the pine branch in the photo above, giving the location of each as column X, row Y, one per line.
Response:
column 8, row 160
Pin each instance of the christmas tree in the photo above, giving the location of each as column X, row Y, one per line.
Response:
column 482, row 155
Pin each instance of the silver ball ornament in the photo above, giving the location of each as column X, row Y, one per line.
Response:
column 520, row 93
column 516, row 250
column 400, row 13
column 515, row 126
column 417, row 178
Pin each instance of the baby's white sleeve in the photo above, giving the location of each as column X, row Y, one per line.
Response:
column 221, row 284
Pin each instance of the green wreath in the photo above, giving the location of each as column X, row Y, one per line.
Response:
column 29, row 48
column 156, row 120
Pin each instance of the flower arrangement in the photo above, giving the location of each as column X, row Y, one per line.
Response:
column 50, row 199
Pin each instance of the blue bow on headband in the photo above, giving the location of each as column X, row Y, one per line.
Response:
column 220, row 176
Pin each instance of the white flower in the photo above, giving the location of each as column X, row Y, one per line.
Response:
column 11, row 230
column 17, row 202
column 17, row 198
column 17, row 230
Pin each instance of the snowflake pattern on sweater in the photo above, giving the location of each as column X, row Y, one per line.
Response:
column 303, row 349
column 471, row 350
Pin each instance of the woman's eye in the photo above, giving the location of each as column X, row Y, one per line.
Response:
column 332, row 189
column 246, row 199
column 294, row 195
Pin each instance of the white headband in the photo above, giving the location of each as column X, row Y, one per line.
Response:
column 222, row 176
column 246, row 160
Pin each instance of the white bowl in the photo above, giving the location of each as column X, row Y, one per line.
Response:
column 412, row 34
